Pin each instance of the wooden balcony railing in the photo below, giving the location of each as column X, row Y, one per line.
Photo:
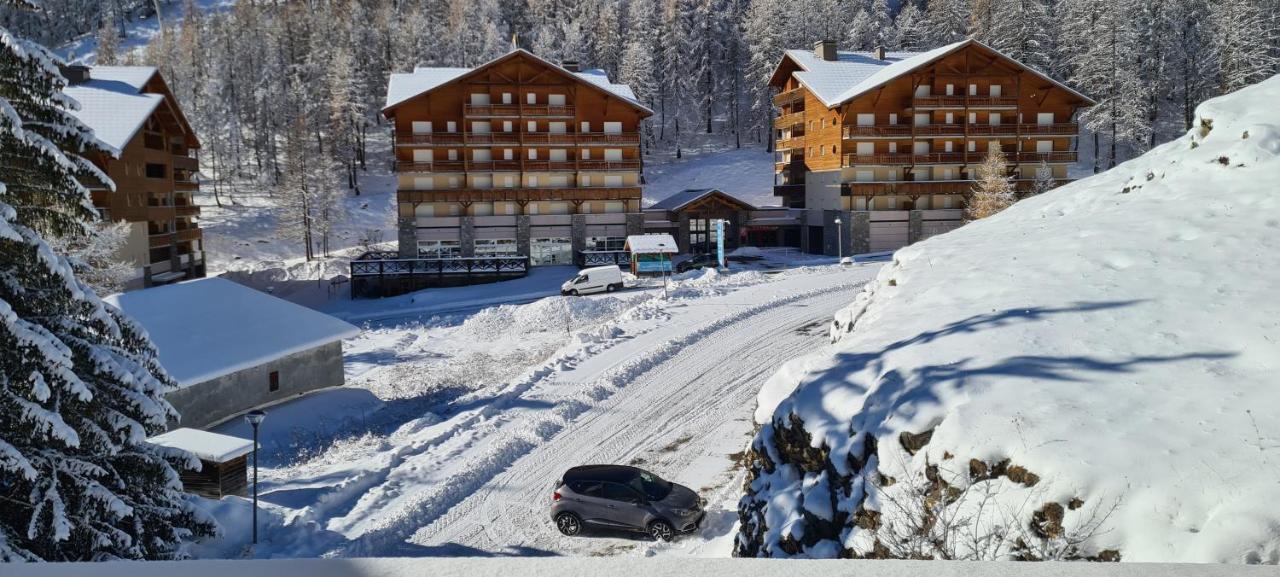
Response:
column 188, row 210
column 549, row 138
column 184, row 162
column 514, row 110
column 959, row 129
column 519, row 194
column 964, row 102
column 430, row 166
column 519, row 139
column 789, row 120
column 187, row 235
column 548, row 165
column 788, row 96
column 956, row 158
column 922, row 187
column 607, row 165
column 790, row 143
column 494, row 165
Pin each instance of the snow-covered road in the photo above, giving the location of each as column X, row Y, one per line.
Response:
column 694, row 405
column 479, row 418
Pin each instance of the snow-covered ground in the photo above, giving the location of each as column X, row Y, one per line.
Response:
column 457, row 419
column 1091, row 372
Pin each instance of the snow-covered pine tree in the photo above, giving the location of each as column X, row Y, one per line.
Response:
column 992, row 190
column 1020, row 28
column 1107, row 69
column 80, row 384
column 1044, row 179
column 95, row 255
column 108, row 41
column 1241, row 37
column 912, row 34
column 947, row 21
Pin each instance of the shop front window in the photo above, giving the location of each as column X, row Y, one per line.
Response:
column 545, row 251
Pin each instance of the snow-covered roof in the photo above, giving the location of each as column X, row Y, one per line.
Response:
column 685, row 197
column 135, row 76
column 402, row 87
column 112, row 104
column 203, row 444
column 652, row 243
column 600, row 78
column 423, row 79
column 211, row 327
column 853, row 74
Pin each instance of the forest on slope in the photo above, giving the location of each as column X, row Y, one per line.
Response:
column 261, row 81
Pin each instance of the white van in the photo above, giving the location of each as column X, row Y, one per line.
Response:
column 594, row 280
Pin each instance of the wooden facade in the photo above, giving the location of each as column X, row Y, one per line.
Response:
column 155, row 176
column 913, row 141
column 517, row 136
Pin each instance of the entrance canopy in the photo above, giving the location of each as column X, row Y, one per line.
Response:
column 651, row 244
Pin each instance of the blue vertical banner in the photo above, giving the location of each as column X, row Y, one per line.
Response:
column 720, row 243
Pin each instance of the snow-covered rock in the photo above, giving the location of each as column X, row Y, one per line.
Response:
column 1093, row 373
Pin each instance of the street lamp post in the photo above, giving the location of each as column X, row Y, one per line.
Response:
column 662, row 266
column 254, row 418
column 839, row 239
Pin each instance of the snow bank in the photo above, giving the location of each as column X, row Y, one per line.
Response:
column 1089, row 374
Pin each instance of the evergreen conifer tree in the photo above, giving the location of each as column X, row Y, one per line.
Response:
column 80, row 384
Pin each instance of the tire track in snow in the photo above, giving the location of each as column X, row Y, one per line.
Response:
column 688, row 390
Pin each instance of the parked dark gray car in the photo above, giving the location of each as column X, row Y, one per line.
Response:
column 627, row 498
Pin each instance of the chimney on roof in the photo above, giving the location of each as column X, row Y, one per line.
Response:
column 74, row 73
column 825, row 49
column 879, row 52
column 570, row 65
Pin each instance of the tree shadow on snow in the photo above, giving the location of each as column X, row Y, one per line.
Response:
column 919, row 385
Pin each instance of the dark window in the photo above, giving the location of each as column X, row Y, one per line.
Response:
column 616, row 492
column 586, row 488
column 274, row 381
column 155, row 170
column 153, row 141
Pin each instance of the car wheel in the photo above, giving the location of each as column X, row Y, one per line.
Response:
column 568, row 524
column 573, row 293
column 661, row 531
column 610, row 288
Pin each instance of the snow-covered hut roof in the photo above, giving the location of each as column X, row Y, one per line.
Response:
column 853, row 74
column 203, row 444
column 688, row 196
column 211, row 327
column 112, row 103
column 652, row 244
column 423, row 79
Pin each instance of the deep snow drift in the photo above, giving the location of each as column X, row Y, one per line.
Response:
column 1092, row 373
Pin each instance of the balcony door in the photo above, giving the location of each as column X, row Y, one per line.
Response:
column 613, row 128
column 479, row 99
column 482, row 155
column 481, row 127
column 558, row 128
column 1044, row 118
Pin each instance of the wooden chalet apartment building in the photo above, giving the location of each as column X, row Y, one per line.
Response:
column 516, row 157
column 876, row 134
column 151, row 158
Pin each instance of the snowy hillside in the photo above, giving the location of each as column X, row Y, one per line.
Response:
column 1089, row 374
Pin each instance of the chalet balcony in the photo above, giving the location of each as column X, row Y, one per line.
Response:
column 429, row 139
column 789, row 97
column 186, row 211
column 188, row 163
column 549, row 138
column 899, row 159
column 789, row 120
column 494, row 166
column 430, row 166
column 160, row 213
column 790, row 143
column 619, row 138
column 187, row 235
column 520, row 194
column 959, row 102
column 609, row 165
column 924, row 187
column 517, row 110
column 487, row 138
column 160, row 239
column 453, row 139
column 959, row 130
column 549, row 166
